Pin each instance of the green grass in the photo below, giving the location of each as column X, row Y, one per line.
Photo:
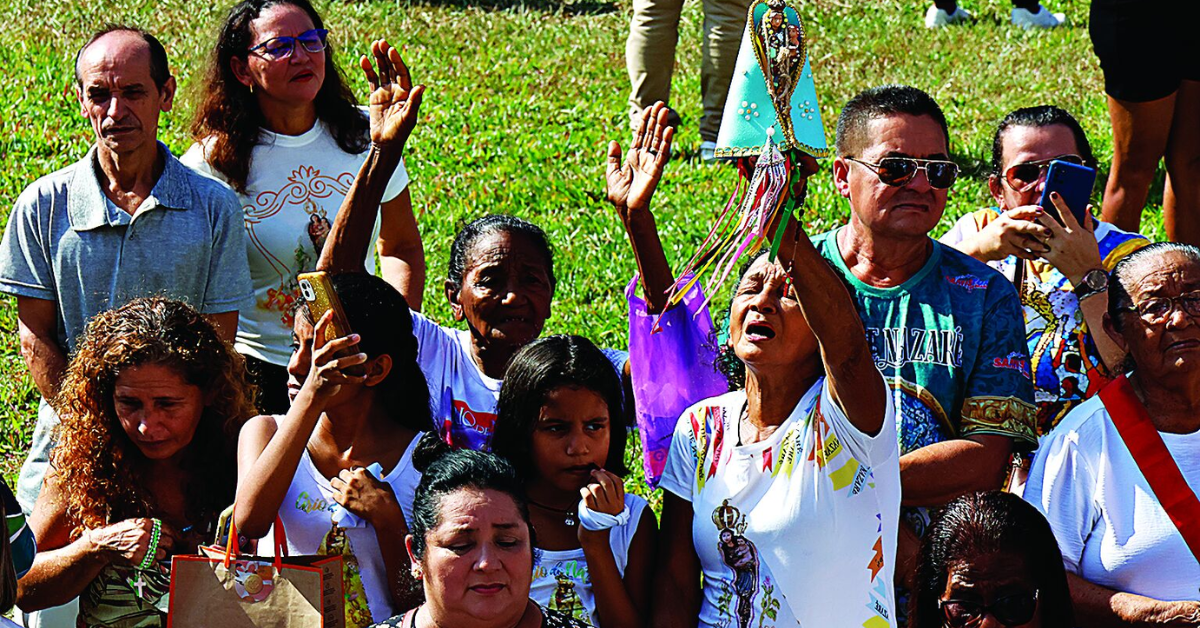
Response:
column 522, row 100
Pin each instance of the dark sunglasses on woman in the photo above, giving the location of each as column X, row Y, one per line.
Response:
column 1023, row 176
column 1010, row 610
column 896, row 171
column 278, row 48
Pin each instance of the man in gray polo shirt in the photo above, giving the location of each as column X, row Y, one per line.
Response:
column 128, row 220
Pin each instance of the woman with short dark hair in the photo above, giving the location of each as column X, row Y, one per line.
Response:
column 1115, row 477
column 990, row 555
column 471, row 545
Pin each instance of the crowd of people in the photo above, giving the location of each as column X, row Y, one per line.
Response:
column 995, row 428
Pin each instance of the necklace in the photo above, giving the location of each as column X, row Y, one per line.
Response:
column 570, row 518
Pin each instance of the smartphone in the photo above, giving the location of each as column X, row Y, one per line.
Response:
column 1073, row 183
column 318, row 292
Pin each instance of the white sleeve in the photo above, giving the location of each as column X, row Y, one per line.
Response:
column 194, row 158
column 1061, row 486
column 435, row 356
column 397, row 183
column 963, row 227
column 864, row 447
column 679, row 471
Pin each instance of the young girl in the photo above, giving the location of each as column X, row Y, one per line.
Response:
column 560, row 423
column 357, row 401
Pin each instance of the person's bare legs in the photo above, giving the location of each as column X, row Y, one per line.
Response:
column 1181, row 197
column 1140, row 131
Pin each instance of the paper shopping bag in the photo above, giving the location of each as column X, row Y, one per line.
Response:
column 223, row 589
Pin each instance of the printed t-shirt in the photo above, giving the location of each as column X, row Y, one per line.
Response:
column 1064, row 361
column 1111, row 528
column 561, row 581
column 296, row 186
column 307, row 512
column 22, row 545
column 462, row 398
column 797, row 529
column 950, row 343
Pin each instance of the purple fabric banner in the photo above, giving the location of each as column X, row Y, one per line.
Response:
column 672, row 368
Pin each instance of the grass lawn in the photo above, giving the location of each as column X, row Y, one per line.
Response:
column 523, row 99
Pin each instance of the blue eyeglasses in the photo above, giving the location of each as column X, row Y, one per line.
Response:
column 278, row 48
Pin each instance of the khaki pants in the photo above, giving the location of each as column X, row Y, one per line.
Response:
column 650, row 54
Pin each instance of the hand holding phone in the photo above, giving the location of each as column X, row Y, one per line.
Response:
column 1073, row 183
column 317, row 290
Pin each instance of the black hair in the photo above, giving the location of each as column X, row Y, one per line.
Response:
column 465, row 240
column 538, row 369
column 1122, row 276
column 444, row 471
column 877, row 102
column 1037, row 117
column 984, row 523
column 160, row 72
column 229, row 112
column 728, row 363
column 378, row 313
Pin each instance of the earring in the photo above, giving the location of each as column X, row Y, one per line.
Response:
column 416, row 573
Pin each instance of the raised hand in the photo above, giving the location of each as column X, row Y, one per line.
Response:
column 332, row 361
column 631, row 183
column 394, row 102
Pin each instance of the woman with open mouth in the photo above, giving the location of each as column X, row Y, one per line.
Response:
column 785, row 494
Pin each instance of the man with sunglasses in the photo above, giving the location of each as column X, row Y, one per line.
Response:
column 945, row 329
column 1058, row 265
column 126, row 221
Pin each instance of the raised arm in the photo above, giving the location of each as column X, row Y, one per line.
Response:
column 854, row 381
column 269, row 451
column 630, row 185
column 394, row 107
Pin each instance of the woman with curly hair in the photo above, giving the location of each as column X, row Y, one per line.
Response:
column 151, row 405
column 278, row 124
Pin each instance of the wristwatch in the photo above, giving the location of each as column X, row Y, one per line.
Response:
column 1094, row 281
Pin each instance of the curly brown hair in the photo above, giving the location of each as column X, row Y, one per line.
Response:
column 95, row 457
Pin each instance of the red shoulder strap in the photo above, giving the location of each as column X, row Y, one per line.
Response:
column 1151, row 455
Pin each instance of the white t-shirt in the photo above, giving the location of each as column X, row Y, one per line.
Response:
column 296, row 185
column 1110, row 527
column 462, row 399
column 306, row 514
column 795, row 530
column 561, row 581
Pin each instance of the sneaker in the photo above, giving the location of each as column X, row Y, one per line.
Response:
column 1041, row 19
column 937, row 18
column 708, row 151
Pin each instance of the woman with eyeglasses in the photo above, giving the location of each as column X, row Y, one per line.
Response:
column 1059, row 268
column 280, row 126
column 1116, row 478
column 990, row 560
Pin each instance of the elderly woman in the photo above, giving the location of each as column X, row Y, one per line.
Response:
column 150, row 405
column 990, row 555
column 471, row 545
column 785, row 496
column 1114, row 478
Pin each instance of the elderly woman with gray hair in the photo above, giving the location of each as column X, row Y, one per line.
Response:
column 1114, row 478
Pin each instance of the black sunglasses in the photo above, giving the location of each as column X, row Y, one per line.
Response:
column 896, row 171
column 1010, row 610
